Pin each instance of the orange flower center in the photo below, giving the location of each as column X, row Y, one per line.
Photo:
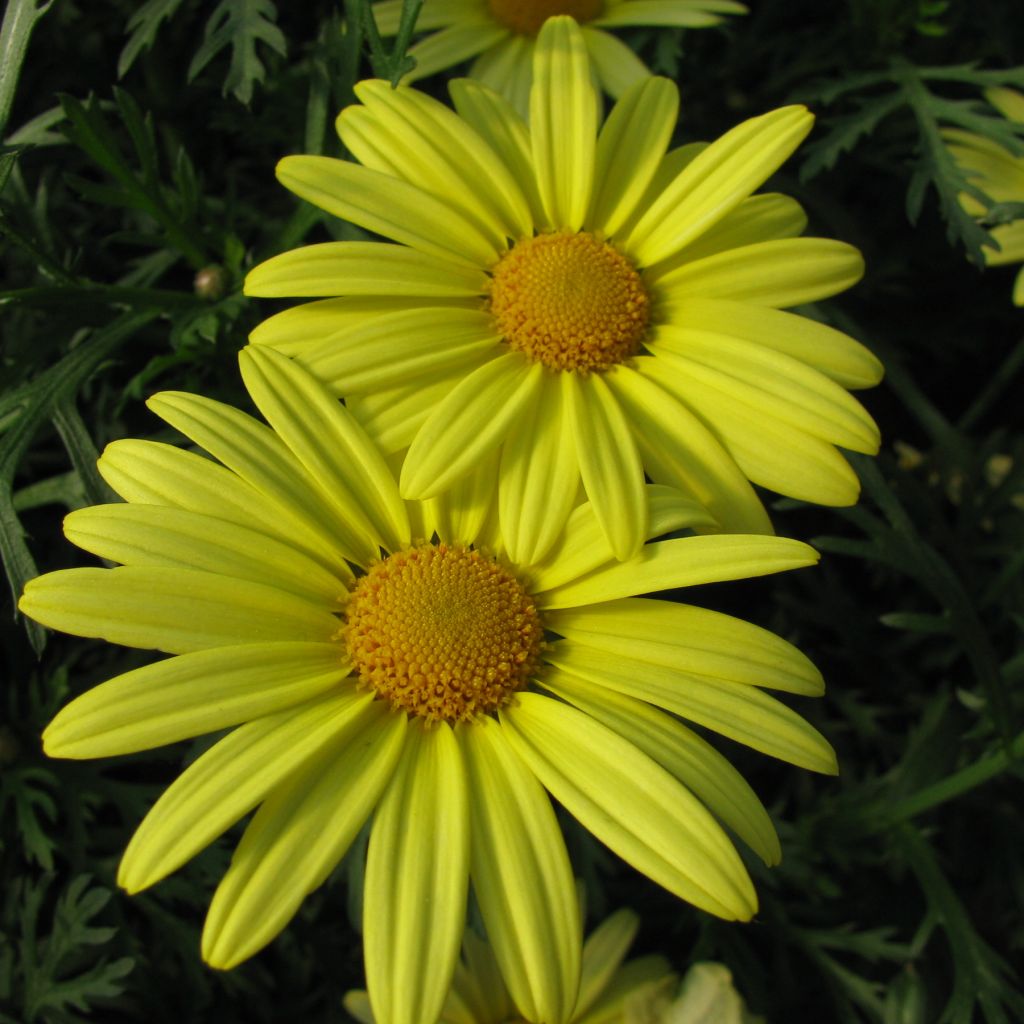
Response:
column 570, row 301
column 525, row 17
column 444, row 633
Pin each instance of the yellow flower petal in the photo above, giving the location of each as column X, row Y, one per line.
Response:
column 563, row 122
column 417, row 860
column 681, row 13
column 193, row 694
column 389, row 206
column 683, row 562
column 742, row 713
column 507, row 68
column 677, row 449
column 155, row 535
column 452, row 45
column 716, row 181
column 616, row 66
column 226, row 782
column 692, row 760
column 472, row 421
column 362, row 268
column 172, row 610
column 629, row 151
column 459, row 514
column 708, row 643
column 631, row 804
column 325, row 438
column 539, row 476
column 605, row 949
column 300, row 833
column 522, row 878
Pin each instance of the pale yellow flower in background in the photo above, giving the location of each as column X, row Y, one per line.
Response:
column 501, row 34
column 381, row 659
column 579, row 304
column 1000, row 174
column 707, row 995
column 608, row 987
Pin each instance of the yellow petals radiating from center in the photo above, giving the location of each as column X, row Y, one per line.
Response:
column 442, row 632
column 569, row 301
column 525, row 17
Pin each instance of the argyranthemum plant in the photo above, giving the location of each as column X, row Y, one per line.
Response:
column 582, row 303
column 609, row 988
column 389, row 660
column 501, row 35
column 1000, row 174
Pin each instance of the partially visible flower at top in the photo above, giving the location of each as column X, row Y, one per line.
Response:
column 586, row 306
column 608, row 992
column 389, row 660
column 501, row 35
column 998, row 173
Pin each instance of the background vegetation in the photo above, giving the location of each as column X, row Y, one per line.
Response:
column 137, row 188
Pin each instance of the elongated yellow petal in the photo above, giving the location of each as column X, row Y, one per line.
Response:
column 387, row 14
column 497, row 122
column 453, row 45
column 610, row 465
column 631, row 982
column 300, row 833
column 172, row 610
column 458, row 515
column 401, row 348
column 262, row 459
column 770, row 451
column 678, row 449
column 155, row 535
column 563, row 122
column 539, row 476
column 193, row 694
column 629, row 151
column 780, row 273
column 388, row 206
column 615, row 65
column 631, row 804
column 742, row 713
column 584, row 547
column 507, row 69
column 362, row 268
column 324, row 436
column 681, row 13
column 708, row 643
column 151, row 473
column 716, row 181
column 472, row 421
column 454, row 160
column 522, row 878
column 683, row 562
column 226, row 782
column 771, row 383
column 759, row 218
column 829, row 351
column 417, row 876
column 692, row 760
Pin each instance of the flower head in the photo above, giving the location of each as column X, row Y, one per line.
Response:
column 611, row 991
column 390, row 660
column 501, row 35
column 574, row 305
column 998, row 173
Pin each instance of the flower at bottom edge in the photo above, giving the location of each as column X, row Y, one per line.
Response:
column 385, row 660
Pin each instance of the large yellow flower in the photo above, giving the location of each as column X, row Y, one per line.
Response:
column 575, row 304
column 439, row 687
column 999, row 174
column 501, row 35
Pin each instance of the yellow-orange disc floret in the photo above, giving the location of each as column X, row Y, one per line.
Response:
column 570, row 301
column 525, row 17
column 442, row 632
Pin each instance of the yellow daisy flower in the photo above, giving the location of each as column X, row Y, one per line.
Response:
column 998, row 173
column 438, row 687
column 581, row 303
column 501, row 35
column 608, row 990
